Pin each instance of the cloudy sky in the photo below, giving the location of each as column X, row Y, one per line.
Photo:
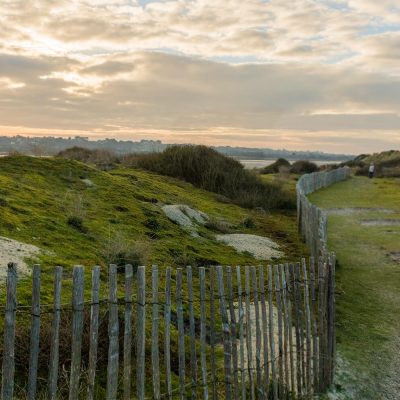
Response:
column 297, row 74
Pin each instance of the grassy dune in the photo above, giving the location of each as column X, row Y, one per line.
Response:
column 368, row 302
column 39, row 194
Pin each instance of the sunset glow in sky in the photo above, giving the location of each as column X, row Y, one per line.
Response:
column 296, row 74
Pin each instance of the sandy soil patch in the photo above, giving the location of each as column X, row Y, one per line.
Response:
column 260, row 247
column 380, row 222
column 395, row 256
column 14, row 251
column 254, row 340
column 344, row 212
column 186, row 217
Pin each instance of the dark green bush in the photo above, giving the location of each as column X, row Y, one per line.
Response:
column 303, row 167
column 206, row 168
column 103, row 159
column 77, row 223
column 276, row 166
column 248, row 222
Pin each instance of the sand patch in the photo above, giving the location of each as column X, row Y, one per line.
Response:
column 260, row 247
column 395, row 256
column 186, row 217
column 381, row 222
column 259, row 352
column 344, row 212
column 14, row 251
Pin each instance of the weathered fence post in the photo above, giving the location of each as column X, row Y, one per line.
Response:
column 203, row 332
column 297, row 329
column 212, row 333
column 167, row 339
column 55, row 340
column 331, row 317
column 128, row 332
column 35, row 333
column 333, row 314
column 321, row 320
column 193, row 357
column 155, row 357
column 77, row 328
column 94, row 331
column 264, row 331
column 308, row 330
column 287, row 341
column 140, row 334
column 314, row 312
column 249, row 342
column 271, row 333
column 241, row 332
column 233, row 326
column 181, row 334
column 226, row 334
column 285, row 329
column 300, row 308
column 260, row 391
column 286, row 277
column 113, row 333
column 278, row 293
column 7, row 384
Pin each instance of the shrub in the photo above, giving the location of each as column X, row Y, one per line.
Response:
column 248, row 222
column 103, row 159
column 120, row 250
column 153, row 224
column 303, row 167
column 77, row 223
column 206, row 168
column 276, row 166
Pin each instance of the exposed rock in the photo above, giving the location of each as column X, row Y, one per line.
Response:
column 88, row 182
column 186, row 217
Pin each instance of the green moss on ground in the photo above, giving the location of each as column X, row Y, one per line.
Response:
column 39, row 194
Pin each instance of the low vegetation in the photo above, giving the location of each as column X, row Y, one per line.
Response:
column 279, row 165
column 207, row 169
column 46, row 202
column 387, row 164
column 303, row 167
column 103, row 159
column 201, row 166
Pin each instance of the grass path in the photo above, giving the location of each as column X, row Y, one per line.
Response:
column 368, row 276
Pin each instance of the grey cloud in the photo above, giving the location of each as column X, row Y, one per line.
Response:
column 178, row 92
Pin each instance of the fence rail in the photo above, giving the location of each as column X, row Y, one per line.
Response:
column 262, row 332
column 312, row 221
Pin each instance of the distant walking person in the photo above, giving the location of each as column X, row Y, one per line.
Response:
column 371, row 170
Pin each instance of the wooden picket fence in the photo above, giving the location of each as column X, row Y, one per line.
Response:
column 312, row 221
column 264, row 332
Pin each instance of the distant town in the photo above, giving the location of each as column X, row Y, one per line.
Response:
column 47, row 146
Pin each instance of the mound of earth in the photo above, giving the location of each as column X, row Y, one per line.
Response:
column 186, row 217
column 260, row 247
column 14, row 251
